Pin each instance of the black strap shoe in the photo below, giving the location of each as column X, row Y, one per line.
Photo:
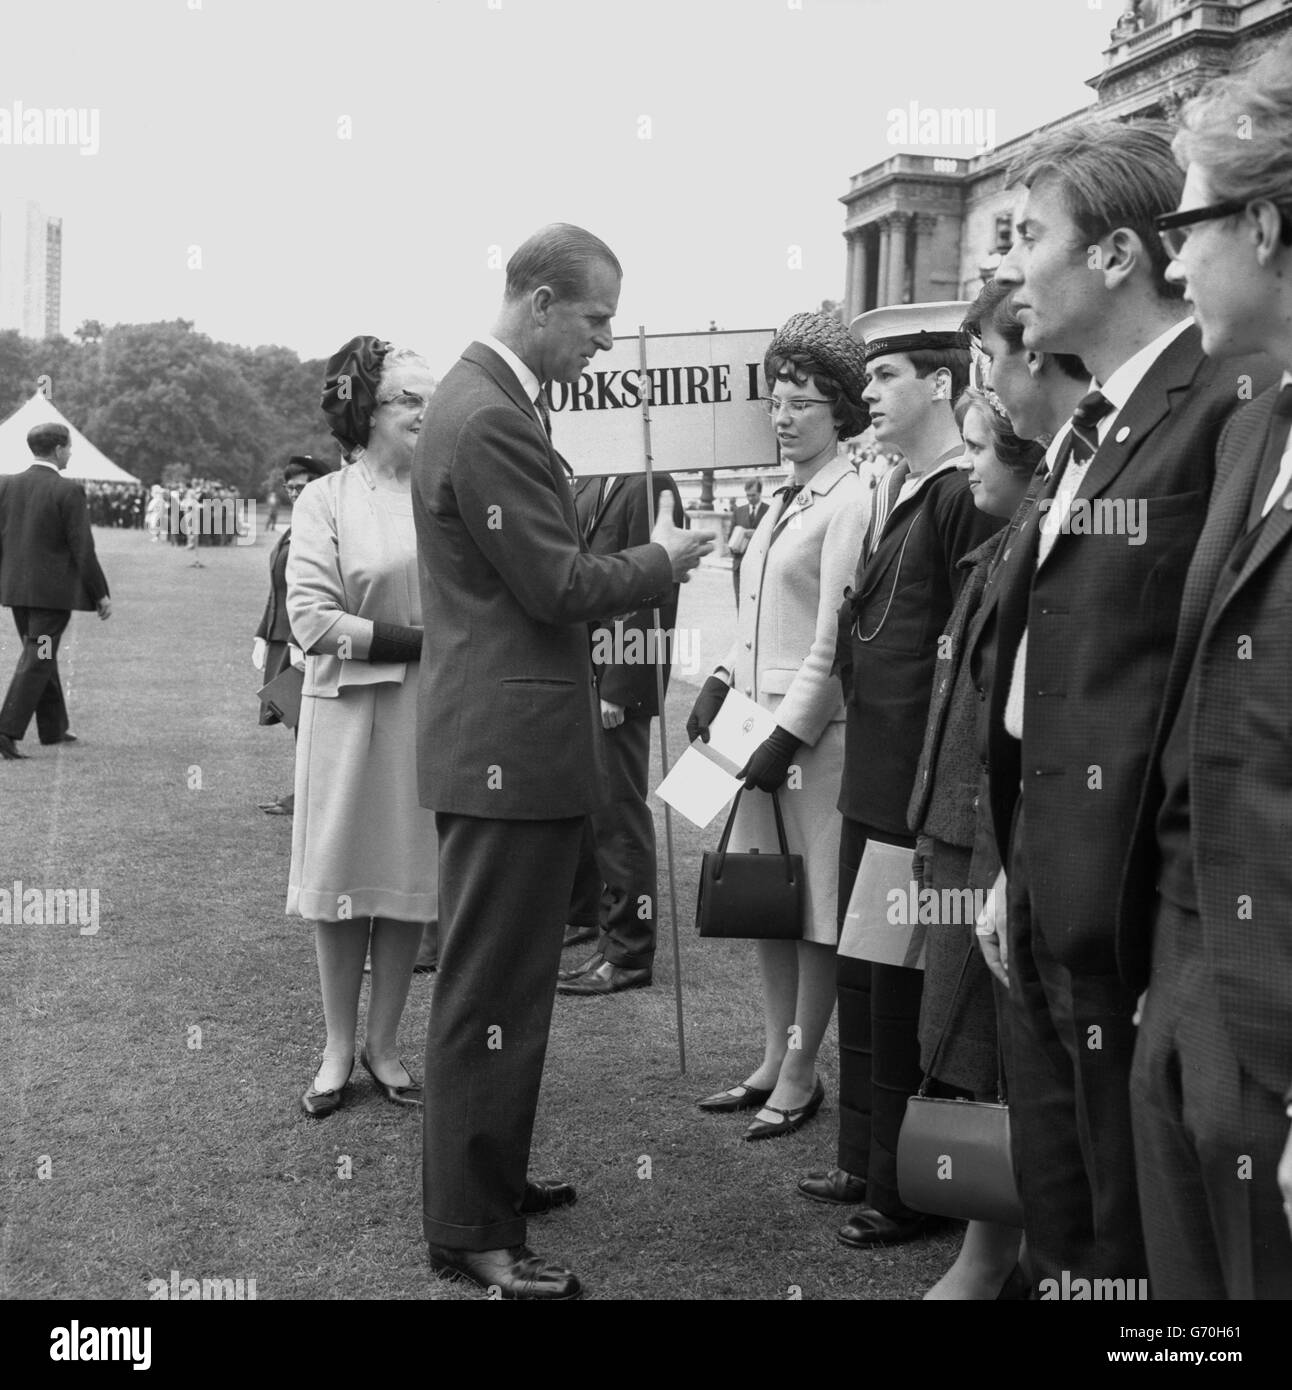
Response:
column 515, row 1272
column 740, row 1097
column 790, row 1120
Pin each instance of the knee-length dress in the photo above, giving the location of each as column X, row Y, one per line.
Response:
column 792, row 580
column 362, row 844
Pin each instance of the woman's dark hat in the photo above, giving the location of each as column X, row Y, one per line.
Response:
column 827, row 342
column 350, row 388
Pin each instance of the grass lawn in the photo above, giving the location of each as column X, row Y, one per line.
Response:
column 151, row 1072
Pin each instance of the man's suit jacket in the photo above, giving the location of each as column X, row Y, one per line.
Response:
column 750, row 518
column 1240, row 765
column 508, row 719
column 902, row 600
column 275, row 626
column 1101, row 617
column 47, row 557
column 622, row 522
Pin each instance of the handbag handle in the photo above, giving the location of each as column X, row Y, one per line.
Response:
column 946, row 1024
column 780, row 835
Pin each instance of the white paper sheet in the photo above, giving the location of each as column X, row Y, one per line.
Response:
column 697, row 787
column 740, row 726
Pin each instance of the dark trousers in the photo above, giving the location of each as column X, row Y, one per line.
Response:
column 1071, row 1041
column 879, row 1047
column 617, row 889
column 35, row 687
column 735, row 579
column 504, row 889
column 1208, row 1137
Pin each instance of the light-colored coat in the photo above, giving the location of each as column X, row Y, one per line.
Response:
column 792, row 581
column 339, row 562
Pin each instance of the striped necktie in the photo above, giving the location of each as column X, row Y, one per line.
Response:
column 545, row 415
column 1083, row 437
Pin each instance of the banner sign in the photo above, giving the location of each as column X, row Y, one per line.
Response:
column 704, row 390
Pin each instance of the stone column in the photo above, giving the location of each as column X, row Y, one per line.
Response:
column 926, row 226
column 897, row 259
column 885, row 251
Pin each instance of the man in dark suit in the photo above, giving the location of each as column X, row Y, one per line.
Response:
column 746, row 518
column 922, row 521
column 1208, row 880
column 617, row 865
column 48, row 570
column 1085, row 621
column 509, row 744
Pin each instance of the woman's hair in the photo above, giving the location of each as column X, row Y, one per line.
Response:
column 1018, row 455
column 1239, row 130
column 850, row 416
column 1112, row 174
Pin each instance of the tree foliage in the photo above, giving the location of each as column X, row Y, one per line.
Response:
column 154, row 396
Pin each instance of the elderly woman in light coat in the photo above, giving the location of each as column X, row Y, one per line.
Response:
column 793, row 576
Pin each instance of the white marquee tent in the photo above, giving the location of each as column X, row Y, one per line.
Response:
column 86, row 462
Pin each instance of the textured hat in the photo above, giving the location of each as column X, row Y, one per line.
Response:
column 350, row 388
column 826, row 341
column 912, row 328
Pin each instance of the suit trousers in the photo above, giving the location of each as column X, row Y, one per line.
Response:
column 35, row 687
column 1208, row 1137
column 1069, row 1056
column 879, row 1047
column 504, row 889
column 735, row 579
column 617, row 878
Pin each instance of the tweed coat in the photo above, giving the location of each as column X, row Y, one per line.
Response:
column 795, row 570
column 1240, row 766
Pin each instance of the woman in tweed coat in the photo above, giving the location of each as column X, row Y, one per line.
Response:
column 799, row 561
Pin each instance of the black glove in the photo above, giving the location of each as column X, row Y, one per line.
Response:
column 705, row 710
column 769, row 766
column 393, row 642
column 922, row 862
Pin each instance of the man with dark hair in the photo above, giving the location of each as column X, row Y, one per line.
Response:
column 744, row 522
column 1084, row 622
column 48, row 568
column 923, row 520
column 509, row 742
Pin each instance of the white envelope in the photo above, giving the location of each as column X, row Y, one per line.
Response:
column 697, row 787
column 740, row 726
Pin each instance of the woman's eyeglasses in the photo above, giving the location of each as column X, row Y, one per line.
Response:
column 405, row 398
column 799, row 405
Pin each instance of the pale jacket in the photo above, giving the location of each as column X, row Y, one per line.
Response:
column 341, row 561
column 791, row 585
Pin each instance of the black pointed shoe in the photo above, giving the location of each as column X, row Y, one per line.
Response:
column 318, row 1104
column 516, row 1272
column 870, row 1227
column 740, row 1097
column 397, row 1095
column 790, row 1120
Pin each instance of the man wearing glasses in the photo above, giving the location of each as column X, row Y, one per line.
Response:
column 1209, row 879
column 1085, row 621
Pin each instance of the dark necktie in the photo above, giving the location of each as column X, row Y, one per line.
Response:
column 1276, row 441
column 545, row 415
column 1083, row 438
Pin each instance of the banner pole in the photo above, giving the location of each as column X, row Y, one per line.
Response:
column 663, row 729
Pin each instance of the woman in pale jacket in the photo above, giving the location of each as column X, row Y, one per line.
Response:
column 363, row 849
column 802, row 556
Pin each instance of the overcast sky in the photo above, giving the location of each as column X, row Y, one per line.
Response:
column 471, row 123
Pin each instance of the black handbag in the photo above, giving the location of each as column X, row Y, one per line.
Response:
column 953, row 1156
column 759, row 896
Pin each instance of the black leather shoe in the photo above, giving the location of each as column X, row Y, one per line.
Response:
column 835, row 1186
column 546, row 1194
column 605, row 979
column 574, row 934
column 516, row 1272
column 9, row 749
column 740, row 1097
column 399, row 1095
column 573, row 973
column 317, row 1104
column 790, row 1120
column 869, row 1227
column 68, row 737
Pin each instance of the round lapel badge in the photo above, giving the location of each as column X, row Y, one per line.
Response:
column 1123, row 434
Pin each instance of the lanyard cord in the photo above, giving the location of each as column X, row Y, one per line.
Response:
column 897, row 578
